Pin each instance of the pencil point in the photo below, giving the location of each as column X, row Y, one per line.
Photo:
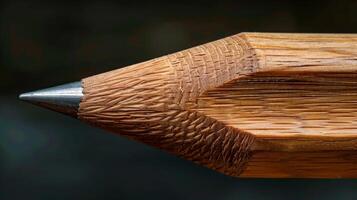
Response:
column 64, row 98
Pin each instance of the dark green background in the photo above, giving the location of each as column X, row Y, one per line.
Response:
column 44, row 155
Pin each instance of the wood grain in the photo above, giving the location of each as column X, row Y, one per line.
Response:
column 250, row 105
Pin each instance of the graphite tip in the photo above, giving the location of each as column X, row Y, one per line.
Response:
column 64, row 98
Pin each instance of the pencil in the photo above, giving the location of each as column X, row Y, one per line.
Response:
column 272, row 105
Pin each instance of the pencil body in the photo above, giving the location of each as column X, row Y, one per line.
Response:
column 249, row 105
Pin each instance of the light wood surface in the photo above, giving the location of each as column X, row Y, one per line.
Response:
column 249, row 105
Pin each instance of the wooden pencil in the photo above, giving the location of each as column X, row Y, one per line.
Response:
column 250, row 105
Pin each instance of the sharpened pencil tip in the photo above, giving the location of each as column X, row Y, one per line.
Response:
column 64, row 98
column 25, row 96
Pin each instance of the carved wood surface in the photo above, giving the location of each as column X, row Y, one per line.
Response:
column 250, row 105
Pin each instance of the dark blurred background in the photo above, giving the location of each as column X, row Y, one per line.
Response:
column 44, row 155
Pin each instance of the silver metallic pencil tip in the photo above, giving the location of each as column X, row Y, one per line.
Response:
column 64, row 98
column 23, row 96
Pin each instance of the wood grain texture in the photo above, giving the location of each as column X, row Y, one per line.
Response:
column 250, row 105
